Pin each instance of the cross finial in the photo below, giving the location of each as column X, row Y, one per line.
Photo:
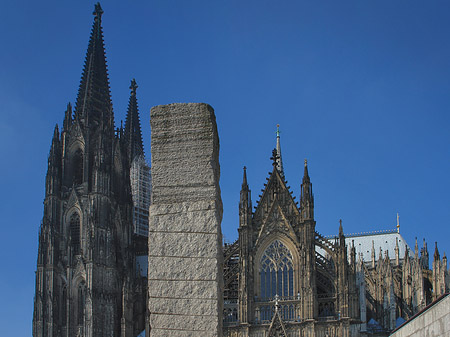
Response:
column 133, row 86
column 306, row 162
column 274, row 157
column 98, row 11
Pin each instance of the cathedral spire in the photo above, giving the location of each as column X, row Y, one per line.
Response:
column 437, row 257
column 132, row 132
column 305, row 173
column 279, row 160
column 67, row 117
column 307, row 197
column 54, row 157
column 244, row 180
column 245, row 202
column 94, row 99
column 341, row 234
column 416, row 250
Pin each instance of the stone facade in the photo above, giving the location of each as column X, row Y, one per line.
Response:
column 434, row 320
column 86, row 279
column 185, row 241
column 283, row 278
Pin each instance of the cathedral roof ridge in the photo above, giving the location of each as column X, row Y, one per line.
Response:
column 369, row 233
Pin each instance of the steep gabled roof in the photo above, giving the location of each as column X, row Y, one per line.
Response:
column 276, row 186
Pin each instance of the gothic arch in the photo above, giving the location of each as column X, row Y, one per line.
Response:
column 78, row 300
column 73, row 228
column 76, row 155
column 286, row 242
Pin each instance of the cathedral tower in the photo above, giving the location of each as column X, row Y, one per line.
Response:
column 86, row 277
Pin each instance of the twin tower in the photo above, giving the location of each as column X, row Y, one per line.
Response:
column 92, row 277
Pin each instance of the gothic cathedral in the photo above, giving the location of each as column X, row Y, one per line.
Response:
column 281, row 277
column 86, row 282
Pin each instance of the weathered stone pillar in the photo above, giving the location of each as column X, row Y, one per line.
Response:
column 185, row 241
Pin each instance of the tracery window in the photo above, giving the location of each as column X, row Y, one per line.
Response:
column 75, row 232
column 277, row 271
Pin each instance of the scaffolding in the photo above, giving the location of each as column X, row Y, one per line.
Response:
column 141, row 187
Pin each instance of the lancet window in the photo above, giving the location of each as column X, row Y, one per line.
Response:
column 277, row 271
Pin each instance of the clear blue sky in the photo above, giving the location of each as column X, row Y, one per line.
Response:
column 360, row 88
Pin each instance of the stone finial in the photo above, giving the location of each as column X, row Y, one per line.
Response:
column 274, row 157
column 98, row 11
column 133, row 86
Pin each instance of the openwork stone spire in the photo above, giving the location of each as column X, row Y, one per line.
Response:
column 307, row 197
column 94, row 98
column 133, row 133
column 279, row 159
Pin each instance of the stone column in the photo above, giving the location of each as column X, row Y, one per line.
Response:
column 185, row 241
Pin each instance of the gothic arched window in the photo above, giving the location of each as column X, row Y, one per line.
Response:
column 277, row 271
column 77, row 167
column 75, row 233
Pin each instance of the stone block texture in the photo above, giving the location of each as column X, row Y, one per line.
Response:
column 432, row 322
column 185, row 240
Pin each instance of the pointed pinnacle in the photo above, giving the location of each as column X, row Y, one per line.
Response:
column 98, row 11
column 278, row 147
column 94, row 97
column 56, row 132
column 133, row 86
column 436, row 252
column 132, row 129
column 305, row 172
column 244, row 180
